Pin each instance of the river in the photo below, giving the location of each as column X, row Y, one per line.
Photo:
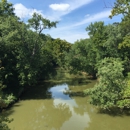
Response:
column 48, row 107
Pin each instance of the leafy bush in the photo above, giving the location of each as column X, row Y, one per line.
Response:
column 109, row 90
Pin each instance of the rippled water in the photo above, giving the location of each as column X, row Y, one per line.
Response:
column 54, row 110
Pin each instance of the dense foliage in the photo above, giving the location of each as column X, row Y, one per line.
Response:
column 27, row 56
column 26, row 53
column 108, row 90
column 106, row 56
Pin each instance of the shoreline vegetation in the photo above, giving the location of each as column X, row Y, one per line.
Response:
column 28, row 56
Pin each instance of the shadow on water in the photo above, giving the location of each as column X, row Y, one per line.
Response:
column 115, row 112
column 37, row 92
column 7, row 113
column 61, row 79
column 47, row 90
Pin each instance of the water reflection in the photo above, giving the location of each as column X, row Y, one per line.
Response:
column 57, row 91
column 61, row 112
column 40, row 115
column 81, row 107
column 52, row 116
column 76, row 121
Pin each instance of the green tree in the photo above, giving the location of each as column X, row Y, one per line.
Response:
column 121, row 7
column 38, row 23
column 109, row 89
column 8, row 36
column 6, row 8
column 78, row 58
column 21, row 50
column 87, row 53
column 113, row 39
column 57, row 49
column 5, row 100
column 124, row 102
column 3, row 123
column 97, row 50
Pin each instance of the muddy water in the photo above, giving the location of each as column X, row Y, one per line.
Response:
column 49, row 107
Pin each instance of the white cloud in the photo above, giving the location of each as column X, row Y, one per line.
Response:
column 36, row 11
column 87, row 15
column 58, row 11
column 71, row 32
column 95, row 17
column 74, row 36
column 23, row 12
column 66, row 8
column 78, row 3
column 87, row 20
column 68, row 34
column 59, row 7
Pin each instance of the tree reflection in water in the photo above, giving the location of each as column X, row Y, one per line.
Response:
column 82, row 106
column 53, row 116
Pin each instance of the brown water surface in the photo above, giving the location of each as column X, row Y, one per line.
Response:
column 49, row 108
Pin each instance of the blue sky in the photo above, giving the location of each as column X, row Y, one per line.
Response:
column 73, row 15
